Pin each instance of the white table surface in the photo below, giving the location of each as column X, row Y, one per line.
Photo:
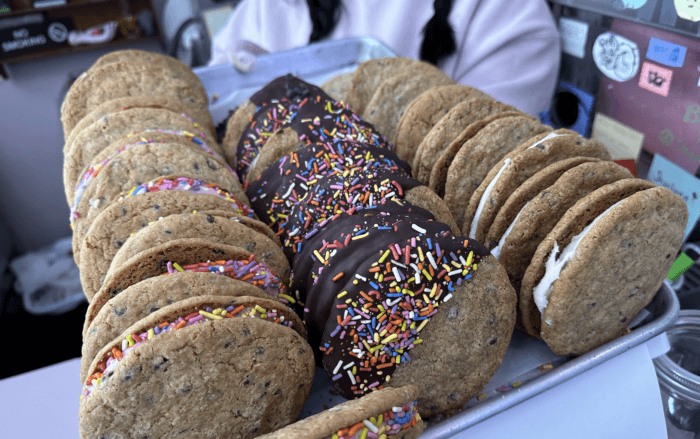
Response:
column 619, row 399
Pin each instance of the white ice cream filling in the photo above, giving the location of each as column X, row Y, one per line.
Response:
column 547, row 137
column 489, row 188
column 554, row 265
column 496, row 252
column 484, row 197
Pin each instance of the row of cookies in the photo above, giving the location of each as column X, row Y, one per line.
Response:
column 475, row 152
column 146, row 222
column 508, row 180
column 128, row 137
column 170, row 249
column 369, row 245
column 579, row 236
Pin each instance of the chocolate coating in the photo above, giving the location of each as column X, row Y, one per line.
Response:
column 363, row 298
column 288, row 87
column 278, row 103
column 266, row 120
column 271, row 196
column 340, row 191
column 335, row 236
column 321, row 120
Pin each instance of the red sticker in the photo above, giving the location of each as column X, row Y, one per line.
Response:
column 629, row 164
column 655, row 78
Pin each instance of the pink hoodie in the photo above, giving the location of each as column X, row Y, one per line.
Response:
column 506, row 48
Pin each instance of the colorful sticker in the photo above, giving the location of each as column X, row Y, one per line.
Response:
column 666, row 53
column 616, row 56
column 688, row 9
column 667, row 174
column 655, row 78
column 574, row 35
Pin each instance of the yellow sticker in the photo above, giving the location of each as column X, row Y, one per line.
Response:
column 622, row 141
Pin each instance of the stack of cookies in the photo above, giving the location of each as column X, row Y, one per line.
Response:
column 585, row 244
column 495, row 168
column 169, row 248
column 392, row 227
column 373, row 254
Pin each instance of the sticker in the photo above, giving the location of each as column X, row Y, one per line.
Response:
column 629, row 4
column 622, row 141
column 655, row 78
column 630, row 164
column 616, row 56
column 688, row 9
column 574, row 35
column 669, row 175
column 681, row 265
column 666, row 53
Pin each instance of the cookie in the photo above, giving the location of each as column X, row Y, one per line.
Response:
column 213, row 228
column 183, row 138
column 146, row 58
column 511, row 171
column 526, row 192
column 537, row 216
column 616, row 246
column 394, row 94
column 338, row 86
column 112, row 128
column 266, row 120
column 368, row 77
column 124, row 79
column 284, row 184
column 202, row 126
column 389, row 413
column 376, row 269
column 138, row 165
column 168, row 185
column 424, row 112
column 233, row 359
column 131, row 212
column 448, row 128
column 147, row 297
column 316, row 121
column 282, row 143
column 93, row 273
column 234, row 128
column 347, row 191
column 183, row 255
column 288, row 87
column 480, row 153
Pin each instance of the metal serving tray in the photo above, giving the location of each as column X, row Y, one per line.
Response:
column 316, row 63
column 660, row 315
column 528, row 364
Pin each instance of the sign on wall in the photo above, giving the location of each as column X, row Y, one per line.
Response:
column 29, row 38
